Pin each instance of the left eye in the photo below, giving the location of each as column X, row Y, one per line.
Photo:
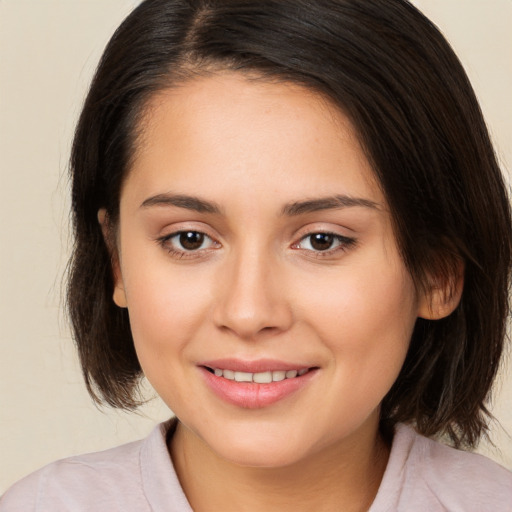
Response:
column 323, row 242
column 187, row 241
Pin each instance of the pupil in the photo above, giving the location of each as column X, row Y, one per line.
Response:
column 191, row 240
column 321, row 241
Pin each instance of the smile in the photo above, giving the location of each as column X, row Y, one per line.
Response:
column 269, row 381
column 260, row 377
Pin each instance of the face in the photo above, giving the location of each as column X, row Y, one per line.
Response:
column 269, row 305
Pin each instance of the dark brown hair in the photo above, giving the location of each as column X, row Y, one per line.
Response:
column 392, row 72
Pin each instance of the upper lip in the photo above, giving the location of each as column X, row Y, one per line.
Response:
column 256, row 366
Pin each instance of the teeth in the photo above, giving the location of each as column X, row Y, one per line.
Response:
column 262, row 378
column 243, row 376
column 279, row 375
column 228, row 374
column 259, row 378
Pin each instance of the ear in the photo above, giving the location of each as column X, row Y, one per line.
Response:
column 443, row 294
column 119, row 295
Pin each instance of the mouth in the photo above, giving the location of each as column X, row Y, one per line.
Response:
column 265, row 377
column 269, row 381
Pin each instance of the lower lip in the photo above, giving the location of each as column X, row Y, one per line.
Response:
column 250, row 395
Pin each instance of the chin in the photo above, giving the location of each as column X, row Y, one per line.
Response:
column 255, row 457
column 258, row 449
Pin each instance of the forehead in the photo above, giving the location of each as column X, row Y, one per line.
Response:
column 251, row 133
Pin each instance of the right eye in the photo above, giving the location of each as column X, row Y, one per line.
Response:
column 184, row 242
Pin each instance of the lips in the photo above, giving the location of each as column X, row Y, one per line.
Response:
column 255, row 384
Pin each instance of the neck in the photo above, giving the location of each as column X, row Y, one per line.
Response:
column 345, row 476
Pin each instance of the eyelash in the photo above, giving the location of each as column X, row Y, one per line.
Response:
column 166, row 243
column 344, row 244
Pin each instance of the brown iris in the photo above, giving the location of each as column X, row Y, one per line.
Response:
column 321, row 241
column 191, row 240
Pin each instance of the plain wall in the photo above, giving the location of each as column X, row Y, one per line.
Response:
column 48, row 52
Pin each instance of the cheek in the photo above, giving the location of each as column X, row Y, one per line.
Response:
column 167, row 305
column 364, row 299
column 167, row 313
column 366, row 321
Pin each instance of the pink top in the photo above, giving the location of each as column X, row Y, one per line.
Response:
column 422, row 475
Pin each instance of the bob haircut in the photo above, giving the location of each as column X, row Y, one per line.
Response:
column 389, row 69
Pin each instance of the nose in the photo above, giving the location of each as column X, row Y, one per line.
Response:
column 252, row 298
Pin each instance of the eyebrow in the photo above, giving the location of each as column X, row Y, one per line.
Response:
column 182, row 201
column 291, row 209
column 327, row 203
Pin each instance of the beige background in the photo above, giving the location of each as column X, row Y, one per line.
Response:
column 48, row 51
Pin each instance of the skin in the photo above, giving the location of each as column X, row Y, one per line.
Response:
column 258, row 288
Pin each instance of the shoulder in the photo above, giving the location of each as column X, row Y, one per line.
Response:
column 138, row 476
column 98, row 480
column 455, row 480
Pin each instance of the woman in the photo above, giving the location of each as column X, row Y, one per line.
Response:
column 289, row 217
